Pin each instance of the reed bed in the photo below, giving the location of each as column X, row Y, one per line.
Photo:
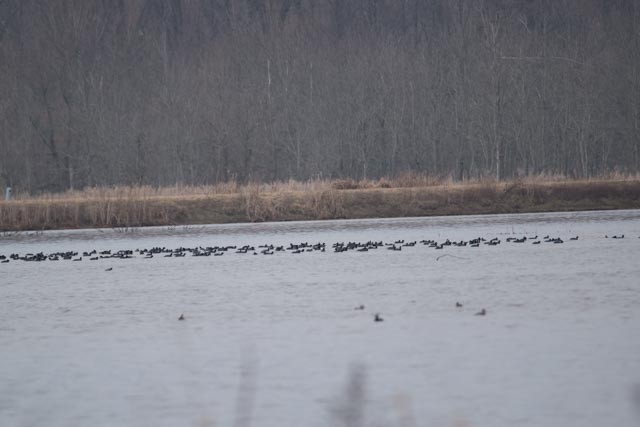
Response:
column 405, row 195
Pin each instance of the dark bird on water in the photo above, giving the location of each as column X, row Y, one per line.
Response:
column 378, row 318
column 458, row 305
column 109, row 269
column 181, row 317
column 360, row 307
column 482, row 312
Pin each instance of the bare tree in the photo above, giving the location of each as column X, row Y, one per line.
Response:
column 176, row 91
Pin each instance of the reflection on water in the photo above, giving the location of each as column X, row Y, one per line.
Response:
column 333, row 226
column 275, row 340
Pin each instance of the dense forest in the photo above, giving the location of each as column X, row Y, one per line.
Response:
column 162, row 92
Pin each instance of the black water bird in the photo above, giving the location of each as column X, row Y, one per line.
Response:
column 482, row 312
column 181, row 317
column 109, row 269
column 270, row 249
column 360, row 307
column 458, row 305
column 378, row 318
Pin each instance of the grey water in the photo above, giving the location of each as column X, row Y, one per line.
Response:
column 275, row 340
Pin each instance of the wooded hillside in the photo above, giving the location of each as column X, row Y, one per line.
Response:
column 159, row 92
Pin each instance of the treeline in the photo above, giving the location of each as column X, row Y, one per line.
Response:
column 159, row 92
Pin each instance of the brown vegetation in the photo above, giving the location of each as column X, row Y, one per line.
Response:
column 292, row 200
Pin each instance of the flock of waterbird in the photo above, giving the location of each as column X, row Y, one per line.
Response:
column 270, row 249
column 377, row 317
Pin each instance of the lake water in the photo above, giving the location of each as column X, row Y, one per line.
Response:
column 274, row 340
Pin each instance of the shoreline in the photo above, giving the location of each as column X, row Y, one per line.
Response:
column 256, row 203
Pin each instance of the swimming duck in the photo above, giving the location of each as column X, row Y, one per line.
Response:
column 181, row 317
column 482, row 312
column 378, row 318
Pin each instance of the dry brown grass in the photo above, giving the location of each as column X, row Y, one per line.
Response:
column 406, row 195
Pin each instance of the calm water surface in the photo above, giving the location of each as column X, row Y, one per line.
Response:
column 275, row 340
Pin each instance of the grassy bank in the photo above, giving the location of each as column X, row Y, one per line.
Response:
column 231, row 202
